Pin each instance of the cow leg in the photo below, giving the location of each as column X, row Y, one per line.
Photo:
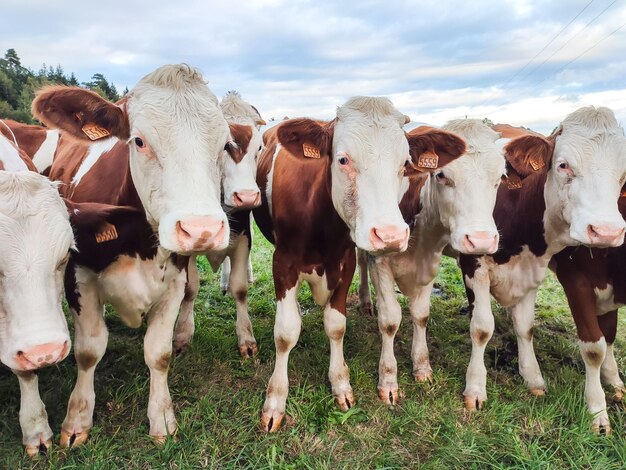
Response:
column 36, row 432
column 335, row 327
column 481, row 329
column 366, row 306
column 287, row 327
column 523, row 315
column 225, row 275
column 157, row 350
column 185, row 325
column 91, row 338
column 419, row 306
column 389, row 318
column 609, row 371
column 239, row 288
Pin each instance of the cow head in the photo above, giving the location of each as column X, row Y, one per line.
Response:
column 465, row 190
column 370, row 154
column 585, row 162
column 240, row 166
column 35, row 240
column 176, row 136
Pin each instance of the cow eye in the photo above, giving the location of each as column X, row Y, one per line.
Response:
column 260, row 147
column 440, row 176
column 343, row 160
column 139, row 142
column 563, row 166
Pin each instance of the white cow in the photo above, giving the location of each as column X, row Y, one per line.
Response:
column 35, row 239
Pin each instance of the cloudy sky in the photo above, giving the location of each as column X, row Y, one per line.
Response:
column 523, row 62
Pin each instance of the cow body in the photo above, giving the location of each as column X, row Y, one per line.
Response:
column 325, row 188
column 35, row 239
column 37, row 142
column 453, row 206
column 240, row 195
column 594, row 281
column 562, row 192
column 153, row 200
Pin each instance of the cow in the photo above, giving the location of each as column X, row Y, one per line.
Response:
column 454, row 207
column 154, row 169
column 240, row 195
column 327, row 187
column 37, row 142
column 561, row 191
column 35, row 241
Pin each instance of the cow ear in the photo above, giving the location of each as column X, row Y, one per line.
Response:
column 306, row 138
column 82, row 114
column 526, row 155
column 431, row 149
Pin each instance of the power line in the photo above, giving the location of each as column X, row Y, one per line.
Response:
column 557, row 71
column 570, row 39
column 550, row 42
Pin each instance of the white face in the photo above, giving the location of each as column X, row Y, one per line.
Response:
column 587, row 174
column 239, row 180
column 465, row 189
column 35, row 239
column 369, row 152
column 177, row 140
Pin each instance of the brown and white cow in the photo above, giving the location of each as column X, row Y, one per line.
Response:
column 561, row 192
column 35, row 239
column 454, row 206
column 136, row 259
column 327, row 186
column 38, row 142
column 240, row 195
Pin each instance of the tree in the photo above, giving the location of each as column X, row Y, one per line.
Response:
column 100, row 85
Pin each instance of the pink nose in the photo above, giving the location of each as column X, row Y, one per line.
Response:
column 198, row 234
column 480, row 243
column 605, row 235
column 389, row 237
column 247, row 199
column 41, row 355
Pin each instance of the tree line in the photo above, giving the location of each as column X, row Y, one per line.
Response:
column 18, row 85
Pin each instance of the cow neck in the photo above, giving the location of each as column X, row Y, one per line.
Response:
column 519, row 215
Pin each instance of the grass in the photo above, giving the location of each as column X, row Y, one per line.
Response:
column 217, row 397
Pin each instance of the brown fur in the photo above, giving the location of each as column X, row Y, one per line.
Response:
column 29, row 138
column 241, row 135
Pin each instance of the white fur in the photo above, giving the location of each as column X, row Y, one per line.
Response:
column 10, row 157
column 45, row 153
column 96, row 150
column 369, row 131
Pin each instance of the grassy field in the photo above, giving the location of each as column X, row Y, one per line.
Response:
column 217, row 397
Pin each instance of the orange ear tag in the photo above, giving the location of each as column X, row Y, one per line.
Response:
column 310, row 151
column 428, row 160
column 95, row 132
column 107, row 233
column 536, row 164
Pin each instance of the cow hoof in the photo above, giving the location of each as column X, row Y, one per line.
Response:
column 160, row 439
column 248, row 350
column 345, row 400
column 423, row 376
column 473, row 403
column 390, row 395
column 271, row 420
column 602, row 427
column 73, row 439
column 538, row 392
column 41, row 449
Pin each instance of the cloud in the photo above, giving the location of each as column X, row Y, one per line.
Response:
column 436, row 60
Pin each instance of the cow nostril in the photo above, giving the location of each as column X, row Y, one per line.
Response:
column 180, row 229
column 20, row 354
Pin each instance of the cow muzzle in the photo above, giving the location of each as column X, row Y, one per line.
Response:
column 606, row 235
column 200, row 234
column 41, row 355
column 246, row 199
column 480, row 243
column 389, row 238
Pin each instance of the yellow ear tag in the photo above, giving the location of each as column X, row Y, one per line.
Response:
column 428, row 160
column 310, row 151
column 107, row 233
column 95, row 132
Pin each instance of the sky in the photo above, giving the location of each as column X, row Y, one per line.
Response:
column 521, row 62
